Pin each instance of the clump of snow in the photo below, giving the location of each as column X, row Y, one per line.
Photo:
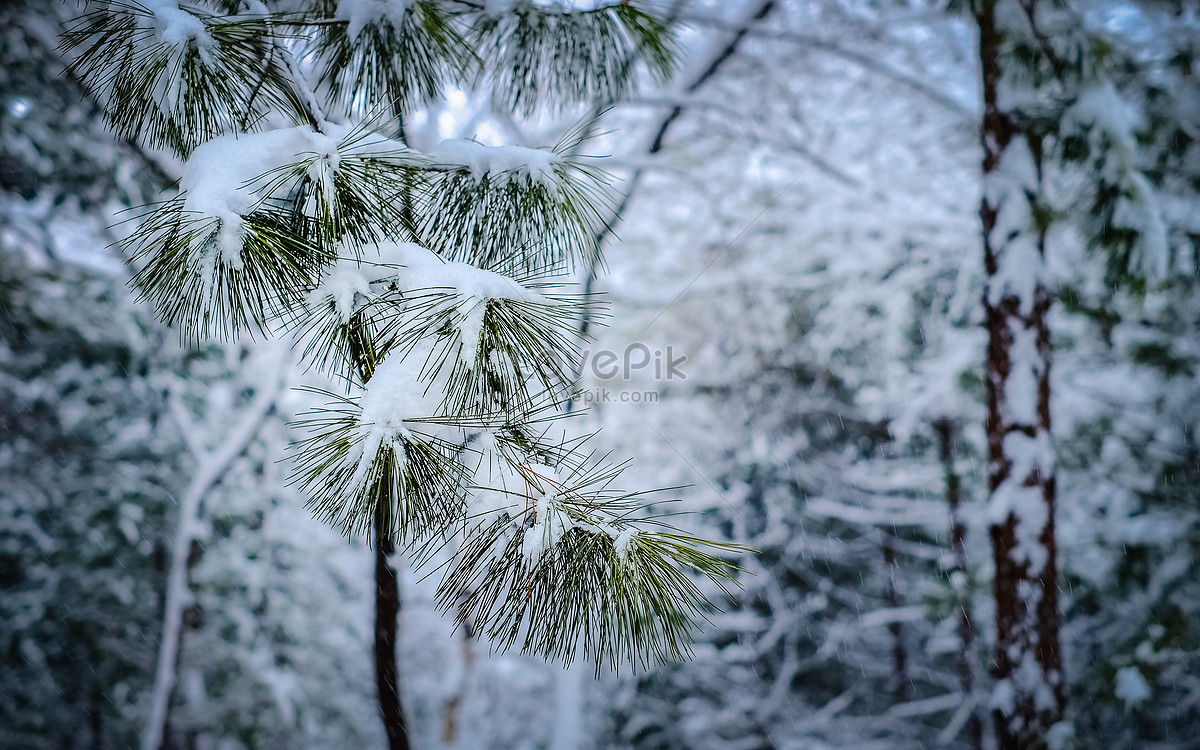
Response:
column 360, row 13
column 328, row 160
column 1022, row 496
column 1027, row 505
column 1139, row 210
column 345, row 286
column 1020, row 404
column 534, row 164
column 622, row 542
column 470, row 328
column 394, row 395
column 175, row 26
column 1030, row 679
column 224, row 176
column 1131, row 687
column 1060, row 736
column 1029, row 455
column 1013, row 96
column 1112, row 123
column 525, row 495
column 176, row 29
column 1020, row 267
column 550, row 523
column 1101, row 108
column 1003, row 698
column 418, row 268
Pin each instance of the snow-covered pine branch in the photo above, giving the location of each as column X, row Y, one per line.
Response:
column 419, row 278
column 175, row 76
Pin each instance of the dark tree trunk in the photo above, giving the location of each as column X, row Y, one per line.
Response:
column 1028, row 696
column 894, row 599
column 96, row 721
column 968, row 669
column 387, row 609
column 387, row 585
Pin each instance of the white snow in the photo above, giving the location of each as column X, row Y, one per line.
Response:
column 1112, row 123
column 177, row 27
column 1026, row 504
column 1140, row 211
column 622, row 542
column 224, row 176
column 1102, row 108
column 551, row 523
column 396, row 393
column 346, row 286
column 1015, row 173
column 1131, row 687
column 361, row 13
column 1061, row 736
column 1020, row 402
column 417, row 268
column 534, row 164
column 1030, row 680
column 1029, row 454
column 1020, row 266
column 1004, row 697
column 328, row 160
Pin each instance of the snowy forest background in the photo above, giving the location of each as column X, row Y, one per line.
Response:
column 801, row 222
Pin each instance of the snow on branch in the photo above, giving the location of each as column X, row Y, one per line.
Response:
column 499, row 162
column 176, row 76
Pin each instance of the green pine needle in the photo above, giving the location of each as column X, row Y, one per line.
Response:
column 365, row 191
column 194, row 288
column 390, row 69
column 584, row 597
column 416, row 479
column 165, row 95
column 514, row 225
column 553, row 58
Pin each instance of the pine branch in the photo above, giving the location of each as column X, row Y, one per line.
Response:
column 197, row 281
column 541, row 58
column 456, row 361
column 554, row 560
column 388, row 64
column 540, row 212
column 173, row 77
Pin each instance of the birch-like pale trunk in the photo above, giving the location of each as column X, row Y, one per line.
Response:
column 1028, row 695
column 211, row 467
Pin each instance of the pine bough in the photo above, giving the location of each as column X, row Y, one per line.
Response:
column 420, row 279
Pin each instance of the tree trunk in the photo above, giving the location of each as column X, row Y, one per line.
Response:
column 451, row 722
column 212, row 466
column 895, row 600
column 387, row 585
column 1028, row 696
column 387, row 609
column 968, row 669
